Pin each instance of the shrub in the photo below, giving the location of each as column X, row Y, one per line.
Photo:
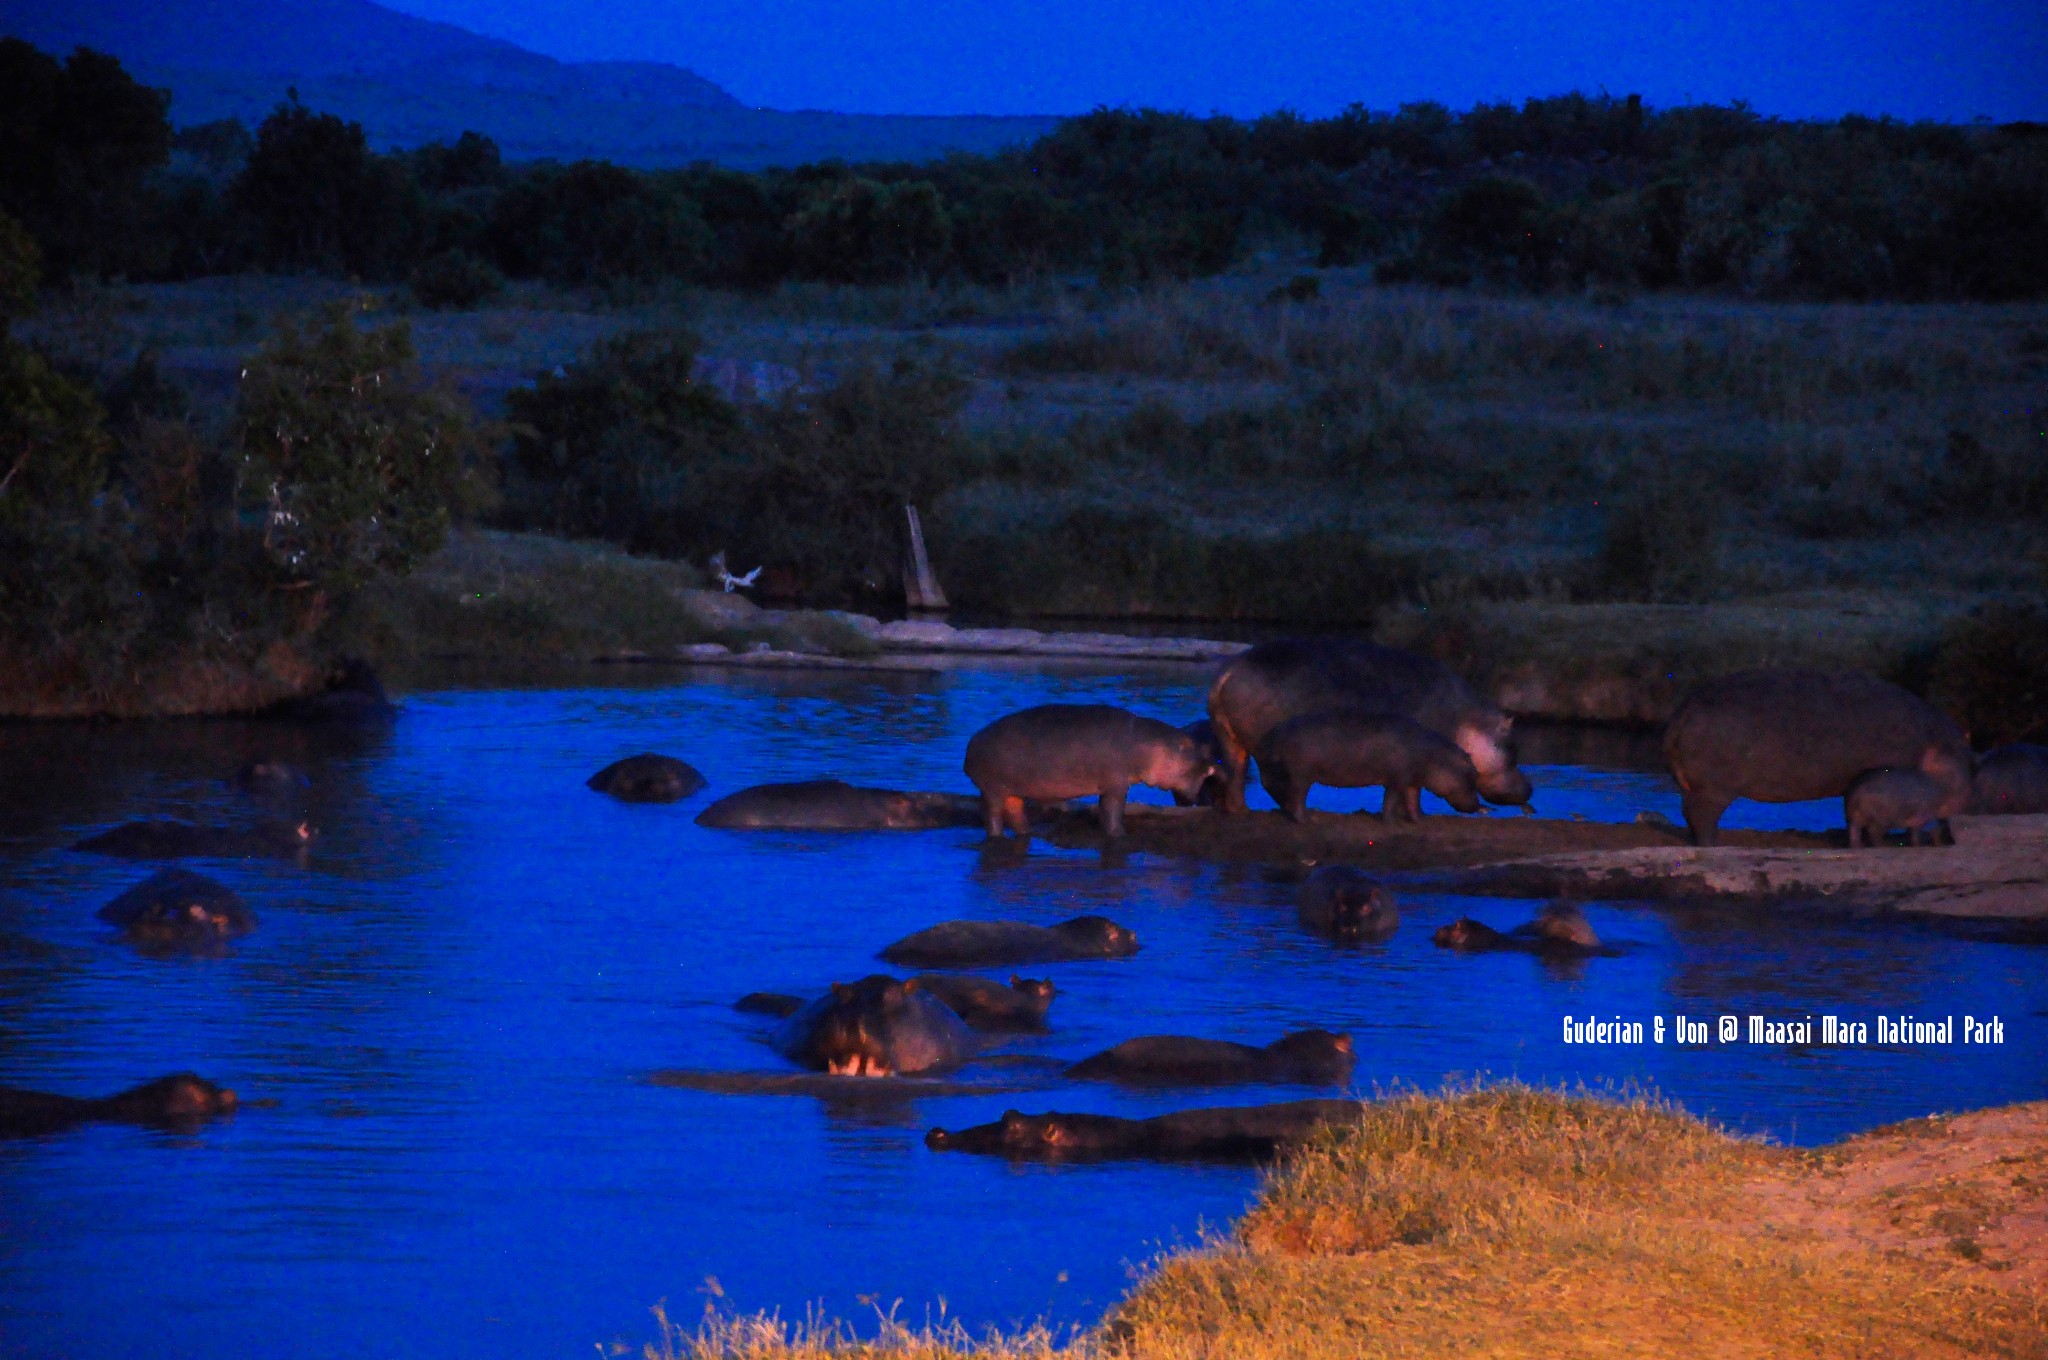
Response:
column 593, row 222
column 360, row 467
column 455, row 279
column 1990, row 673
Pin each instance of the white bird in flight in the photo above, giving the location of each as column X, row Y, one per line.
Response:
column 726, row 578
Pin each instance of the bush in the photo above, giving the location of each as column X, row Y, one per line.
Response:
column 322, row 200
column 359, row 467
column 1990, row 673
column 455, row 279
column 593, row 222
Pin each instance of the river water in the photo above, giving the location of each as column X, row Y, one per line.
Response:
column 456, row 1004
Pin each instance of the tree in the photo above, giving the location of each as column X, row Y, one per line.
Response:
column 359, row 467
column 594, row 221
column 77, row 141
column 322, row 199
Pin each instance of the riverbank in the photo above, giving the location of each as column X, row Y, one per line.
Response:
column 1508, row 1221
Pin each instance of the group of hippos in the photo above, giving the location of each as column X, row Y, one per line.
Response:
column 1342, row 713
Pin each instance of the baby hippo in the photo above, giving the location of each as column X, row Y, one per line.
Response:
column 1343, row 903
column 1357, row 750
column 1879, row 800
column 177, row 909
column 989, row 944
column 2012, row 779
column 877, row 1027
column 990, row 1006
column 179, row 1101
column 1060, row 751
column 1310, row 1057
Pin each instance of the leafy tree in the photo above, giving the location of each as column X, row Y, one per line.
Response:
column 77, row 140
column 859, row 230
column 321, row 199
column 358, row 466
column 593, row 221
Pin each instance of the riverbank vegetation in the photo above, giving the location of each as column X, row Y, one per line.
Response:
column 1274, row 373
column 1509, row 1221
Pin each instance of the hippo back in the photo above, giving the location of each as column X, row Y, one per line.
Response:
column 1783, row 736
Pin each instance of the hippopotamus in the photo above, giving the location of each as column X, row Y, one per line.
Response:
column 353, row 694
column 990, row 944
column 1352, row 749
column 990, row 1006
column 2012, row 779
column 179, row 1101
column 1343, row 903
column 177, row 909
column 647, row 778
column 983, row 1005
column 1250, row 1133
column 1784, row 736
column 1559, row 930
column 1879, row 800
column 1060, row 751
column 1263, row 687
column 833, row 805
column 183, row 840
column 1309, row 1057
column 877, row 1027
column 271, row 778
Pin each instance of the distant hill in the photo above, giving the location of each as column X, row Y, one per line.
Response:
column 409, row 81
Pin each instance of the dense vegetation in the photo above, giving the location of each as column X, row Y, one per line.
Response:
column 1561, row 193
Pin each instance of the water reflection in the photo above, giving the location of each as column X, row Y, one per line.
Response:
column 457, row 1004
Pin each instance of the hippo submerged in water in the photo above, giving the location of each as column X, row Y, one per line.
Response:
column 1345, row 904
column 177, row 909
column 179, row 1101
column 1252, row 1133
column 2012, row 779
column 1560, row 930
column 877, row 1027
column 1276, row 681
column 1785, row 736
column 183, row 840
column 833, row 805
column 987, row 1006
column 647, row 778
column 989, row 944
column 1350, row 749
column 1059, row 751
column 1310, row 1057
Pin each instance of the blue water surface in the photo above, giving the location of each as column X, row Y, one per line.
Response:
column 456, row 1005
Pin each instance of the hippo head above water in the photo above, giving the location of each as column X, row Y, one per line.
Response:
column 182, row 1098
column 1099, row 936
column 877, row 1027
column 1016, row 1134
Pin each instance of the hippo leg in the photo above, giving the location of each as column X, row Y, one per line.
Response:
column 1112, row 811
column 1295, row 805
column 1702, row 814
column 1016, row 816
column 1236, row 765
column 1411, row 800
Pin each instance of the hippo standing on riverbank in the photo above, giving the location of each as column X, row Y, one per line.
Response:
column 877, row 1027
column 1252, row 1133
column 1275, row 681
column 990, row 944
column 1309, row 1057
column 2012, row 780
column 1348, row 749
column 1788, row 736
column 1347, row 905
column 834, row 805
column 177, row 909
column 179, row 1101
column 1879, row 800
column 1059, row 751
column 647, row 778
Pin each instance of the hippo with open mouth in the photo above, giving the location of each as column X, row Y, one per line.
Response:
column 877, row 1027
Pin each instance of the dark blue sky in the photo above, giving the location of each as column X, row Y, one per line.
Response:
column 1911, row 58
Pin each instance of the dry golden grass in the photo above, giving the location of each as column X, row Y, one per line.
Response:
column 1506, row 1221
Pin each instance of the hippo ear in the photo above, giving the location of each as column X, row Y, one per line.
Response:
column 1012, row 1118
column 1343, row 1043
column 911, row 985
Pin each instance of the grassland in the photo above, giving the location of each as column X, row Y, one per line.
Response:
column 1508, row 1221
column 1590, row 500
